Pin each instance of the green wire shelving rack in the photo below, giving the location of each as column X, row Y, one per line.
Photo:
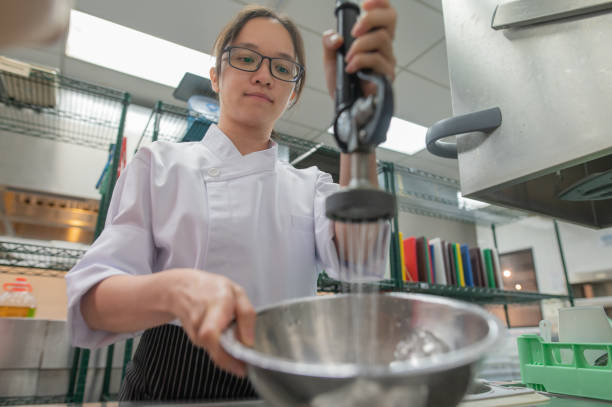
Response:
column 479, row 295
column 417, row 192
column 38, row 257
column 171, row 123
column 55, row 107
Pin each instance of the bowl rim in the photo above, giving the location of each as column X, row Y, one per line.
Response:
column 432, row 364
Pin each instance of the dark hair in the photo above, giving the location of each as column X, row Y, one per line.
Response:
column 232, row 29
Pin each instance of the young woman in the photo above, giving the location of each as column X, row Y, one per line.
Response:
column 197, row 234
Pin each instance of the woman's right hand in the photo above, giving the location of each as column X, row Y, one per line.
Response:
column 206, row 303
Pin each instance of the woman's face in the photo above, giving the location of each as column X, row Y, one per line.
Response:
column 255, row 99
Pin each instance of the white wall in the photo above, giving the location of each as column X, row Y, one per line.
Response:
column 58, row 167
column 50, row 166
column 418, row 225
column 585, row 249
column 533, row 233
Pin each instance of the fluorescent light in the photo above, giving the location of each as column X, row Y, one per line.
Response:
column 135, row 53
column 469, row 204
column 403, row 136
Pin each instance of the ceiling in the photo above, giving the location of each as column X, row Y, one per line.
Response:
column 422, row 91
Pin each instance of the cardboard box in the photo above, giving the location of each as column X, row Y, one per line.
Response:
column 28, row 84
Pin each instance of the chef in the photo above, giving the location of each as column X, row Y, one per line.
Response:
column 199, row 234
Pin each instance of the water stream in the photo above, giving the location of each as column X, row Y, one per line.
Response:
column 363, row 249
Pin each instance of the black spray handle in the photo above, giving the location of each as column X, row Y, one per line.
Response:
column 360, row 123
column 347, row 85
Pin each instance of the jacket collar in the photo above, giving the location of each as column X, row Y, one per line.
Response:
column 229, row 158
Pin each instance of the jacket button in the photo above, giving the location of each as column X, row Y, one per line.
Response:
column 213, row 172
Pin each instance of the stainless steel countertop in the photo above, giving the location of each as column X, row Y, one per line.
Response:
column 250, row 403
column 555, row 401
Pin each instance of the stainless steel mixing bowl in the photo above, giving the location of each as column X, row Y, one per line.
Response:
column 342, row 350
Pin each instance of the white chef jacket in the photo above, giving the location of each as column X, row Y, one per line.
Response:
column 203, row 205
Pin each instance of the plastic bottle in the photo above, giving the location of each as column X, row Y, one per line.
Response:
column 17, row 300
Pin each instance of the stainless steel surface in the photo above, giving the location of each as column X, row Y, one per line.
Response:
column 36, row 358
column 520, row 13
column 316, row 349
column 18, row 382
column 552, row 84
column 360, row 171
column 51, row 382
column 248, row 403
column 44, row 216
column 555, row 401
column 56, row 353
column 595, row 187
column 21, row 342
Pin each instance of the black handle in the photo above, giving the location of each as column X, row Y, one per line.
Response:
column 347, row 85
column 378, row 125
column 484, row 121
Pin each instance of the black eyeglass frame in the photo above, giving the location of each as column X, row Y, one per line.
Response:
column 263, row 57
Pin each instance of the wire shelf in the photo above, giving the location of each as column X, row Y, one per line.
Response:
column 480, row 295
column 432, row 195
column 55, row 107
column 421, row 192
column 300, row 146
column 169, row 123
column 32, row 272
column 33, row 256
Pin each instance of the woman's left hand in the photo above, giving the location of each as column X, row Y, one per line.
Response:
column 372, row 48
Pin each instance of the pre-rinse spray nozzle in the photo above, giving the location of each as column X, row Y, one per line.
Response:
column 360, row 124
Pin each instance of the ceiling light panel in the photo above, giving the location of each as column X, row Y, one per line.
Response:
column 101, row 42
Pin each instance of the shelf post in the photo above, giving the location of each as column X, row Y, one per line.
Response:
column 494, row 236
column 570, row 294
column 158, row 110
column 507, row 315
column 73, row 375
column 107, row 195
column 127, row 355
column 105, row 395
column 79, row 393
column 394, row 249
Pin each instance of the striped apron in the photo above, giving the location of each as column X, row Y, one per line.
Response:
column 167, row 366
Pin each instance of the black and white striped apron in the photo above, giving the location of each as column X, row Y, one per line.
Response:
column 167, row 366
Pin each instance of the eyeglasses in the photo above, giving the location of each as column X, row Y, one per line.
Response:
column 246, row 59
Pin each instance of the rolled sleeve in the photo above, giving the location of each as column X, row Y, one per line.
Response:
column 125, row 247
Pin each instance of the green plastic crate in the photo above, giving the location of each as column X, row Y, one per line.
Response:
column 564, row 368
